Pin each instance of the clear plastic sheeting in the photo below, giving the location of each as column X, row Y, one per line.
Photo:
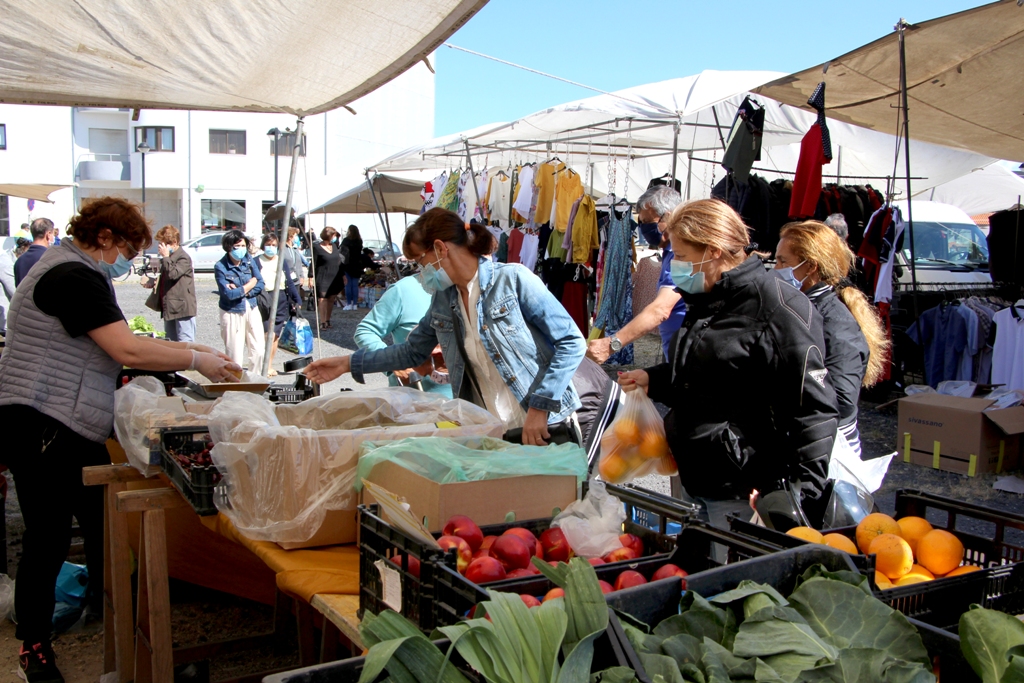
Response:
column 141, row 409
column 450, row 460
column 284, row 467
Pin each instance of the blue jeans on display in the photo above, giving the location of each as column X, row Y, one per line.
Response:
column 351, row 290
column 181, row 330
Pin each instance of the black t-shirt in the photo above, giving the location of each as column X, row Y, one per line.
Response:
column 81, row 298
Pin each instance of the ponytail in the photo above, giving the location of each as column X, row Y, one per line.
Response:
column 871, row 325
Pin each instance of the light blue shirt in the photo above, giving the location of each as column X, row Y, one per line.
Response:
column 397, row 313
column 534, row 344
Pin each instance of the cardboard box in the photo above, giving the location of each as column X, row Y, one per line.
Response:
column 339, row 527
column 958, row 434
column 490, row 501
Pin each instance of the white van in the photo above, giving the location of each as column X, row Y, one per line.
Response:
column 950, row 249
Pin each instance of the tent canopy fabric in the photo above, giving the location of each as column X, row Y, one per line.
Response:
column 986, row 190
column 40, row 193
column 634, row 130
column 300, row 57
column 963, row 76
column 394, row 194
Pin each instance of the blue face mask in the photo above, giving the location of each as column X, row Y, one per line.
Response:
column 786, row 275
column 118, row 268
column 238, row 253
column 270, row 252
column 433, row 278
column 684, row 278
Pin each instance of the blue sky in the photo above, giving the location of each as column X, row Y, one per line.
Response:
column 615, row 45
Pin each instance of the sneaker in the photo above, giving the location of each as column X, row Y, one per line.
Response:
column 38, row 664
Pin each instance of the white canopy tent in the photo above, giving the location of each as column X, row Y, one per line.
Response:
column 636, row 130
column 986, row 190
column 301, row 56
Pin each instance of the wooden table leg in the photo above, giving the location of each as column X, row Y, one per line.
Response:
column 307, row 638
column 143, row 670
column 118, row 563
column 159, row 595
column 329, row 644
column 109, row 633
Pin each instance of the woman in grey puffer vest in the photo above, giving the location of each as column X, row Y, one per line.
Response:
column 67, row 341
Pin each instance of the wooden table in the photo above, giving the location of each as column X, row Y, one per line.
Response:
column 340, row 612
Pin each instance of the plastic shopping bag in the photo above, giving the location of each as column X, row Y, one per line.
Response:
column 635, row 444
column 297, row 337
column 592, row 525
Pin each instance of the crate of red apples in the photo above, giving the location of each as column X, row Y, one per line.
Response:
column 497, row 552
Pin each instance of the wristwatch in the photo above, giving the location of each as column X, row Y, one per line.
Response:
column 615, row 344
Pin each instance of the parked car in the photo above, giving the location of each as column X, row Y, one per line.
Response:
column 205, row 250
column 381, row 250
column 950, row 249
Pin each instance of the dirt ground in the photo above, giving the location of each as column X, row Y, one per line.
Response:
column 200, row 615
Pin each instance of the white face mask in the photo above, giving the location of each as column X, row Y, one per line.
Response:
column 786, row 275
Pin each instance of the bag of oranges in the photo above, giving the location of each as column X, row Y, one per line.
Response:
column 634, row 445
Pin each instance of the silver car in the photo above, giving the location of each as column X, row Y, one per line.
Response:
column 205, row 250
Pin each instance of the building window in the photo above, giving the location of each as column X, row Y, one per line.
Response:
column 227, row 141
column 3, row 136
column 285, row 143
column 158, row 138
column 109, row 142
column 223, row 214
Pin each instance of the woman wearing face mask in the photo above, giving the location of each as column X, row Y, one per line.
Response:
column 324, row 270
column 67, row 341
column 294, row 261
column 239, row 282
column 509, row 345
column 746, row 382
column 289, row 296
column 814, row 259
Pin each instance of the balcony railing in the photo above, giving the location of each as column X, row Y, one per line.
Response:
column 109, row 167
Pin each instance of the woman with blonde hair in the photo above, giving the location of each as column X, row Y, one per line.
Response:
column 815, row 260
column 751, row 407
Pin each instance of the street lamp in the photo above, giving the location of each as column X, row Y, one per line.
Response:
column 142, row 148
column 274, row 134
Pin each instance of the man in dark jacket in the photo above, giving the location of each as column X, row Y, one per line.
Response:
column 174, row 293
column 43, row 235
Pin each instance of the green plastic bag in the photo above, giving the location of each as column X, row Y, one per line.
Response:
column 461, row 459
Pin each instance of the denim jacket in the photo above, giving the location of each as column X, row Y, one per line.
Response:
column 225, row 273
column 528, row 334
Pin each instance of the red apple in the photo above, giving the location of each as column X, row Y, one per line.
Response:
column 518, row 574
column 462, row 549
column 606, row 587
column 553, row 593
column 488, row 540
column 529, row 600
column 414, row 564
column 511, row 552
column 628, row 579
column 485, row 570
column 620, row 554
column 465, row 528
column 528, row 538
column 556, row 546
column 483, row 552
column 594, row 561
column 668, row 571
column 631, row 541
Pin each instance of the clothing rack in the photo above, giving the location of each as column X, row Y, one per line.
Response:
column 887, row 178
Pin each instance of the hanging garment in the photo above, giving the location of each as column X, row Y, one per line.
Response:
column 515, row 244
column 468, row 206
column 497, row 233
column 584, row 231
column 554, row 247
column 568, row 189
column 528, row 250
column 498, row 199
column 449, row 198
column 574, row 299
column 544, row 181
column 431, row 191
column 483, row 184
column 892, row 242
column 645, row 282
column 524, row 193
column 967, row 361
column 502, row 255
column 1008, row 351
column 1005, row 248
column 743, row 147
column 942, row 333
column 815, row 151
column 616, row 306
column 567, row 238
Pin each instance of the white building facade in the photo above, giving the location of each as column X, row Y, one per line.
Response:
column 207, row 170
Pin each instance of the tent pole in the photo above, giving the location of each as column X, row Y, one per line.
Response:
column 376, row 204
column 282, row 232
column 472, row 179
column 689, row 173
column 675, row 154
column 901, row 27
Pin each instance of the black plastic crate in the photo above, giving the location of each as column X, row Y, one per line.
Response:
column 197, row 484
column 455, row 596
column 611, row 649
column 171, row 380
column 656, row 511
column 1000, row 584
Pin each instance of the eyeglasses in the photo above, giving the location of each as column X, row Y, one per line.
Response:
column 135, row 252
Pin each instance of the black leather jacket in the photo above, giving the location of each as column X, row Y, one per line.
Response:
column 750, row 398
column 846, row 349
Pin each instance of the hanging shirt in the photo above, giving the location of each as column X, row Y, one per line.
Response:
column 497, row 397
column 498, row 199
column 743, row 146
column 807, row 184
column 966, row 369
column 584, row 231
column 449, row 198
column 568, row 189
column 515, row 244
column 544, row 181
column 432, row 191
column 528, row 252
column 887, row 257
column 482, row 185
column 554, row 246
column 468, row 208
column 1008, row 351
column 524, row 192
column 942, row 333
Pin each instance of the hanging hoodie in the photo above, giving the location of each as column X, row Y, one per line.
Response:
column 815, row 151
